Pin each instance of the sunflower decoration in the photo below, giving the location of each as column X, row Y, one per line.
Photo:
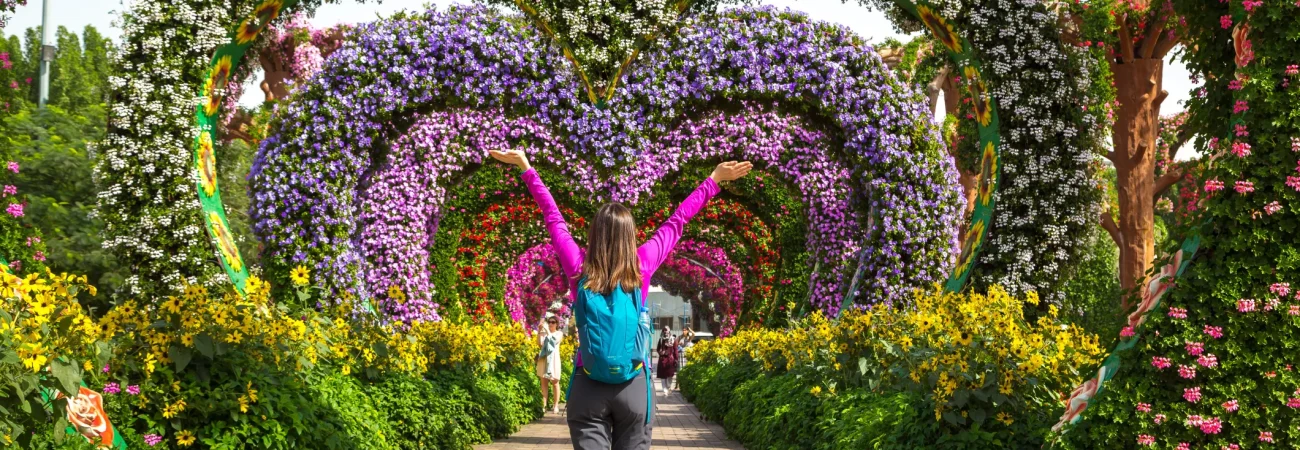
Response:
column 979, row 93
column 988, row 174
column 225, row 242
column 207, row 164
column 216, row 82
column 942, row 30
column 968, row 245
column 255, row 23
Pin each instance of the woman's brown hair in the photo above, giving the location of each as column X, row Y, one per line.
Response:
column 611, row 251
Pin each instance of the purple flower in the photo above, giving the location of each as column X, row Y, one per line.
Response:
column 152, row 439
column 112, row 388
column 10, row 189
column 13, row 167
column 133, row 389
column 15, row 209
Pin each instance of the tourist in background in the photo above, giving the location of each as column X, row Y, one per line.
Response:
column 549, row 362
column 667, row 350
column 684, row 342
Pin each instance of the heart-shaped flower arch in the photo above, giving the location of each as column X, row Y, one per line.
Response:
column 470, row 58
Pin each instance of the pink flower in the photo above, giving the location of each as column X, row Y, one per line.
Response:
column 111, row 388
column 1243, row 187
column 1293, row 69
column 13, row 85
column 1188, row 372
column 1293, row 183
column 15, row 209
column 1230, row 447
column 1194, row 348
column 1143, row 408
column 1295, row 141
column 1272, row 207
column 1252, row 4
column 39, row 256
column 1208, row 360
column 1160, row 362
column 1234, row 85
column 1214, row 332
column 1184, row 446
column 1146, row 439
column 1241, row 149
column 1266, row 436
column 1295, row 310
column 133, row 389
column 13, row 167
column 1281, row 289
column 1246, row 305
column 10, row 189
column 1211, row 426
column 1177, row 313
column 1240, row 107
column 1194, row 421
column 1225, row 21
column 1241, row 130
column 1192, row 395
column 1213, row 185
column 1158, row 419
column 1230, row 406
column 105, row 368
column 1293, row 403
column 1126, row 332
column 152, row 439
column 1272, row 304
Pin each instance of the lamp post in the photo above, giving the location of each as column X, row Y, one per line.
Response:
column 47, row 53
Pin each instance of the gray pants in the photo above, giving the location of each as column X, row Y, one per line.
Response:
column 608, row 416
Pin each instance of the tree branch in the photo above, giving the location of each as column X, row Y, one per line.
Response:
column 935, row 86
column 1165, row 181
column 1108, row 223
column 1167, row 41
column 1160, row 99
column 1152, row 37
column 1125, row 40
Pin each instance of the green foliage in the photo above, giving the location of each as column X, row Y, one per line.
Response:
column 1092, row 295
column 362, row 420
column 53, row 147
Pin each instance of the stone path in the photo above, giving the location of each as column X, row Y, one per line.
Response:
column 677, row 427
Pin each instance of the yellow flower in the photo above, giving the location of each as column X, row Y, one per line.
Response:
column 964, row 338
column 207, row 164
column 172, row 304
column 942, row 30
column 185, row 438
column 816, row 390
column 1005, row 418
column 87, row 366
column 300, row 275
column 243, row 404
column 188, row 340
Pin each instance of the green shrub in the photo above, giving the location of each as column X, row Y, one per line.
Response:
column 362, row 420
column 429, row 414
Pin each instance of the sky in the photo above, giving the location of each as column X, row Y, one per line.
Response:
column 872, row 25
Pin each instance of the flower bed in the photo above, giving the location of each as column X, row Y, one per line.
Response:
column 971, row 363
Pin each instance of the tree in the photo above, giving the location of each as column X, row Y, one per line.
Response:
column 1137, row 37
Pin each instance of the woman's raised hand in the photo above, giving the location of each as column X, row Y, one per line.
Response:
column 515, row 158
column 731, row 170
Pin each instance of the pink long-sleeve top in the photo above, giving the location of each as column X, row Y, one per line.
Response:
column 651, row 254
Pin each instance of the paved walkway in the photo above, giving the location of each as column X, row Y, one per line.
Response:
column 677, row 427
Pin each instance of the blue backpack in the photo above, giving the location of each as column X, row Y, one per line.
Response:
column 613, row 337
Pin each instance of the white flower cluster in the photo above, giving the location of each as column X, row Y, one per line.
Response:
column 148, row 200
column 604, row 33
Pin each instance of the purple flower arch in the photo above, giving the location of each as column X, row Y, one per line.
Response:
column 319, row 195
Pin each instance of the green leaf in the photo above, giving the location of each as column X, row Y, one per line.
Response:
column 68, row 374
column 977, row 415
column 203, row 343
column 180, row 355
column 862, row 366
column 60, row 430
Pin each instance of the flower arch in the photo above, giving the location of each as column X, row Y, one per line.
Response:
column 893, row 149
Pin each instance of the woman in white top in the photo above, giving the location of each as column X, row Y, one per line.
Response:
column 548, row 367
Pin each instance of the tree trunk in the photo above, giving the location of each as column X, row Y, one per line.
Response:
column 1138, row 90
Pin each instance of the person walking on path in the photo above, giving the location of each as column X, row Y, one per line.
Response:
column 667, row 368
column 605, row 415
column 550, row 367
column 683, row 344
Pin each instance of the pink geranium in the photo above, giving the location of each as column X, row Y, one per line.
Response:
column 1188, row 372
column 1281, row 289
column 1211, row 426
column 1126, row 332
column 1266, row 436
column 1250, row 5
column 1177, row 313
column 1246, row 305
column 1194, row 348
column 1240, row 107
column 1240, row 149
column 1146, row 439
column 1293, row 403
column 1214, row 332
column 1192, row 395
column 1184, row 446
column 1160, row 362
column 1225, row 21
column 1208, row 360
column 1230, row 406
column 1158, row 419
column 1272, row 207
column 1213, row 185
column 1244, row 187
column 1143, row 408
column 1293, row 183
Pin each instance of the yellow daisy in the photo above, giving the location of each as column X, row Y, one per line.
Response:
column 300, row 275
